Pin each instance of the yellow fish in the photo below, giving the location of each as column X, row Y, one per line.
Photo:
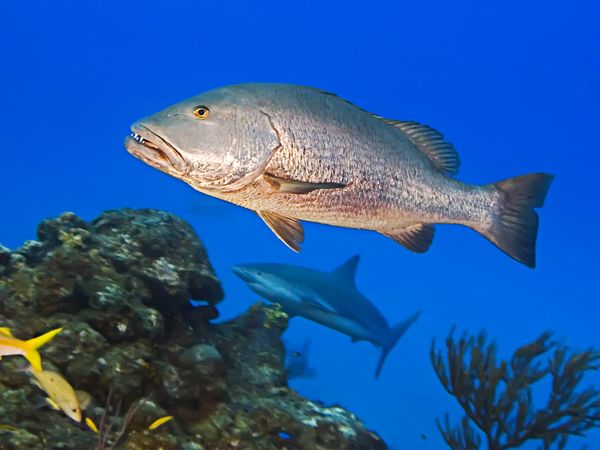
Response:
column 10, row 345
column 61, row 395
column 91, row 425
column 158, row 422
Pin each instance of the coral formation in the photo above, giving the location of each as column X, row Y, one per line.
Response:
column 498, row 396
column 120, row 287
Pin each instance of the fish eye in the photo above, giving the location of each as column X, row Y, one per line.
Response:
column 201, row 112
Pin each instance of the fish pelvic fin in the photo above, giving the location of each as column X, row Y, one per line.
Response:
column 288, row 229
column 515, row 228
column 395, row 334
column 31, row 346
column 416, row 238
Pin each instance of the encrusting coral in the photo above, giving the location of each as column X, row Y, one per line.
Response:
column 497, row 395
column 120, row 286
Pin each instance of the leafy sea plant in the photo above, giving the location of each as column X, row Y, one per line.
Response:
column 497, row 395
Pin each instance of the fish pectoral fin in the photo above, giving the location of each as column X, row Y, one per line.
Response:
column 6, row 331
column 83, row 398
column 52, row 404
column 297, row 187
column 416, row 238
column 288, row 229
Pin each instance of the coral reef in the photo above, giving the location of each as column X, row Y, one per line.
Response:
column 498, row 398
column 120, row 287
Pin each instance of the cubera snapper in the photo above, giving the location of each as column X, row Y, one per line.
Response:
column 295, row 153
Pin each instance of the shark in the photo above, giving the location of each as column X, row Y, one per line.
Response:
column 329, row 298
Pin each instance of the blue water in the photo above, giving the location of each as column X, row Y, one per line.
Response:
column 514, row 85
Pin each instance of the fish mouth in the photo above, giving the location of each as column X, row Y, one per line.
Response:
column 148, row 146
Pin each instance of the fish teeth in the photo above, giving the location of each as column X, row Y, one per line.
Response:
column 137, row 137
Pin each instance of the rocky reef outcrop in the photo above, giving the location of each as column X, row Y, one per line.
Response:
column 132, row 344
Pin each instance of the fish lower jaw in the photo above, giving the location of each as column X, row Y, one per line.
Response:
column 154, row 157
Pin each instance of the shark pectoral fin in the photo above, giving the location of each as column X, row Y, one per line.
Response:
column 288, row 229
column 297, row 187
column 416, row 238
column 319, row 305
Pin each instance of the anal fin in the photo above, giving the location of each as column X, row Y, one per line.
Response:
column 288, row 229
column 416, row 238
column 297, row 187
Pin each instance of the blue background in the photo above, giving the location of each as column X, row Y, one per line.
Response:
column 514, row 85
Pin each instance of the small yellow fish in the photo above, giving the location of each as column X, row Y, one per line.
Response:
column 10, row 345
column 158, row 422
column 61, row 394
column 91, row 424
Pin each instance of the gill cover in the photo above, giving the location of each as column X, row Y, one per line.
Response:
column 224, row 149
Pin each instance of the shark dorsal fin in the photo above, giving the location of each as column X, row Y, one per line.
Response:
column 347, row 271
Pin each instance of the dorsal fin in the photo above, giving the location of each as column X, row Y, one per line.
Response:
column 347, row 271
column 431, row 142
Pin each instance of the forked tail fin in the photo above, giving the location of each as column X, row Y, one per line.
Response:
column 395, row 334
column 514, row 230
column 32, row 345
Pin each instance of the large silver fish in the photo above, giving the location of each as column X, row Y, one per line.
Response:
column 294, row 153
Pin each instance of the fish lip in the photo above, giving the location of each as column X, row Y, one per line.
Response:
column 148, row 146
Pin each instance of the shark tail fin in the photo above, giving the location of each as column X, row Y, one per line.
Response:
column 31, row 346
column 395, row 334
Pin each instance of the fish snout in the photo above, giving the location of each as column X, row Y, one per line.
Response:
column 243, row 273
column 148, row 144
